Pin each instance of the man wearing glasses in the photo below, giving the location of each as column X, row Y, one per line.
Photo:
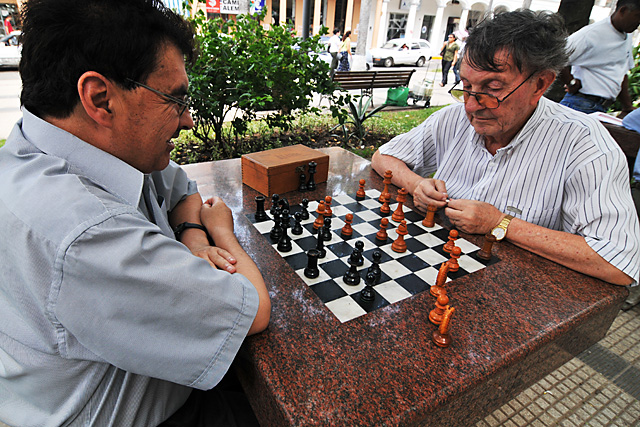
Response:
column 509, row 162
column 116, row 308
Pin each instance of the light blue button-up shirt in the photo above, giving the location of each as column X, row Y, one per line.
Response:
column 105, row 319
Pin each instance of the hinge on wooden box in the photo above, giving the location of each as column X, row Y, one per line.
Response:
column 300, row 169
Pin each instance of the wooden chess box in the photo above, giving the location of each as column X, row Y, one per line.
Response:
column 278, row 171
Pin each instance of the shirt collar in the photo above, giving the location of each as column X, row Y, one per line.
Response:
column 84, row 159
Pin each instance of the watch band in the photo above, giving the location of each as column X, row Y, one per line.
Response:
column 503, row 225
column 185, row 225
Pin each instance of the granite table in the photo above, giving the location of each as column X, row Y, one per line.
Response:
column 515, row 322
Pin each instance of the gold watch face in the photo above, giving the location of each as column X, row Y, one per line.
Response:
column 499, row 233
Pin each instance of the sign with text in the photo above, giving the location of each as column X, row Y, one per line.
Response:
column 213, row 6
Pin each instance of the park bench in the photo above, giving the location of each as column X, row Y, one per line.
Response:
column 366, row 81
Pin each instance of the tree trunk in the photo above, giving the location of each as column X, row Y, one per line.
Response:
column 576, row 15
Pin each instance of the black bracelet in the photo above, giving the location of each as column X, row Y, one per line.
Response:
column 185, row 225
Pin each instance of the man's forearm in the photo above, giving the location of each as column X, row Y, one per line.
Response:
column 402, row 175
column 567, row 249
column 188, row 210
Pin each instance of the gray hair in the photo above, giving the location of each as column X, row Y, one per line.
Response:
column 536, row 41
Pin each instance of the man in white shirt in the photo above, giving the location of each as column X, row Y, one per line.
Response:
column 517, row 165
column 600, row 57
column 334, row 49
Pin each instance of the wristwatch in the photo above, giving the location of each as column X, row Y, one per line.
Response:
column 185, row 225
column 573, row 82
column 500, row 230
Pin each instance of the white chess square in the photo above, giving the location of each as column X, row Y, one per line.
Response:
column 435, row 227
column 344, row 199
column 350, row 289
column 429, row 275
column 470, row 264
column 295, row 249
column 431, row 257
column 394, row 269
column 345, row 309
column 367, row 215
column 322, row 277
column 429, row 240
column 365, row 229
column 392, row 291
column 264, row 226
column 373, row 193
column 371, row 204
column 466, row 246
column 340, row 211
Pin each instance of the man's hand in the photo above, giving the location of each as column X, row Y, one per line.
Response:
column 217, row 257
column 429, row 191
column 217, row 218
column 472, row 216
column 573, row 88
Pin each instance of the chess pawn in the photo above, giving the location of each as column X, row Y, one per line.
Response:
column 375, row 266
column 327, row 206
column 430, row 219
column 319, row 222
column 359, row 248
column 438, row 288
column 352, row 277
column 441, row 337
column 387, row 180
column 326, row 230
column 368, row 294
column 453, row 235
column 381, row 235
column 304, row 206
column 297, row 225
column 260, row 215
column 436, row 315
column 385, row 209
column 302, row 186
column 398, row 215
column 360, row 194
column 456, row 252
column 485, row 252
column 274, row 203
column 347, row 231
column 399, row 245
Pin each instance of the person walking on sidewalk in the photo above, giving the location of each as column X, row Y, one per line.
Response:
column 345, row 52
column 449, row 57
column 334, row 50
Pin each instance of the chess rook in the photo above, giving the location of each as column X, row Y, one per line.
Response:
column 261, row 214
column 430, row 218
column 441, row 337
column 485, row 252
column 312, row 271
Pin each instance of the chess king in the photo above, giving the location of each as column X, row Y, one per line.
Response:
column 511, row 163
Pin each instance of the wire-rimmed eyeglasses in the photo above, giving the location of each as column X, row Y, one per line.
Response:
column 485, row 99
column 183, row 104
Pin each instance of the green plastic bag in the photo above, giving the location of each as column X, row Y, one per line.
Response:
column 397, row 96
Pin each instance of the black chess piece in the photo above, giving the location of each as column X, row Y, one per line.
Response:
column 326, row 230
column 311, row 184
column 284, row 204
column 297, row 225
column 312, row 271
column 274, row 203
column 352, row 277
column 359, row 248
column 368, row 294
column 260, row 215
column 276, row 232
column 302, row 187
column 375, row 267
column 284, row 244
column 320, row 246
column 286, row 219
column 305, row 209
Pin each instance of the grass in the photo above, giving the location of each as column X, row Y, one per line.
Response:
column 2, row 141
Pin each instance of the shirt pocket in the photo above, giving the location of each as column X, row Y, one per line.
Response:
column 543, row 217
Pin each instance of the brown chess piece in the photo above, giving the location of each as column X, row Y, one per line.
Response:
column 456, row 252
column 441, row 279
column 453, row 236
column 399, row 245
column 430, row 219
column 441, row 337
column 398, row 215
column 385, row 209
column 381, row 235
column 442, row 303
column 327, row 207
column 485, row 252
column 360, row 194
column 387, row 180
column 319, row 222
column 347, row 230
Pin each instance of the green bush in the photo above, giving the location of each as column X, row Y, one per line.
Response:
column 244, row 69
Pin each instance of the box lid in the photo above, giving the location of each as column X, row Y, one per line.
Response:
column 278, row 160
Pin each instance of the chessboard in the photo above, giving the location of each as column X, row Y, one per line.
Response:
column 403, row 274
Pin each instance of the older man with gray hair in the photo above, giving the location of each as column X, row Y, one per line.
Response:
column 512, row 163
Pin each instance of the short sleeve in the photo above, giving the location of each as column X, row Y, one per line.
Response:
column 172, row 184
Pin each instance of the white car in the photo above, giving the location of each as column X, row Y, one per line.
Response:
column 10, row 50
column 402, row 51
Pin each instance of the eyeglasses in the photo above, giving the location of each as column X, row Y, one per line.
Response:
column 183, row 104
column 485, row 99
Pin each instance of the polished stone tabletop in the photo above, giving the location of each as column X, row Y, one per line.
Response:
column 515, row 321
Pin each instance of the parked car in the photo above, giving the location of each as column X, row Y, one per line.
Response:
column 402, row 51
column 326, row 56
column 10, row 50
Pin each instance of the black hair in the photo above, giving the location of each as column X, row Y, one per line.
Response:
column 631, row 4
column 336, row 31
column 535, row 40
column 347, row 34
column 120, row 39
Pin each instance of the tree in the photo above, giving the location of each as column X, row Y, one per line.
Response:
column 244, row 68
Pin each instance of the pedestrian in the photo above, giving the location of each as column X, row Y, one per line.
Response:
column 334, row 49
column 8, row 28
column 462, row 37
column 512, row 163
column 449, row 57
column 345, row 52
column 124, row 298
column 601, row 56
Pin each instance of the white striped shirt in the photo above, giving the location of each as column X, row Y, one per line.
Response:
column 563, row 171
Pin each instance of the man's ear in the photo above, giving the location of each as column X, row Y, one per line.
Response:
column 542, row 81
column 96, row 96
